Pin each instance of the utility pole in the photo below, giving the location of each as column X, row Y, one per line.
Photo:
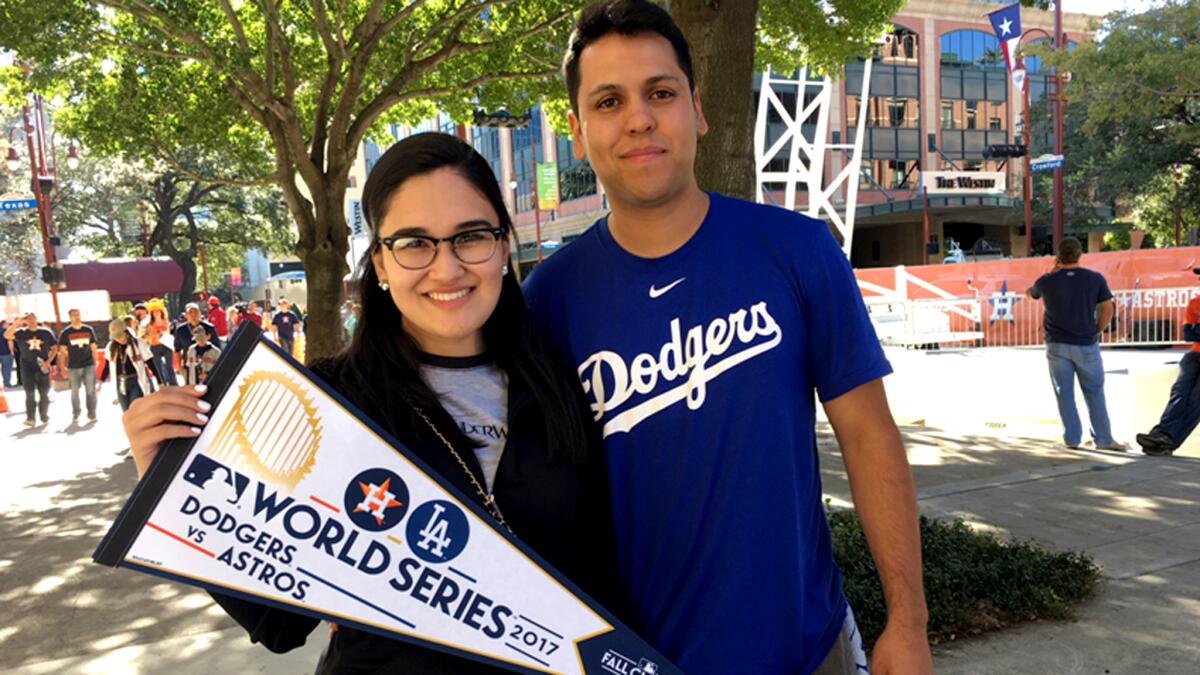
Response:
column 1059, row 196
column 42, row 181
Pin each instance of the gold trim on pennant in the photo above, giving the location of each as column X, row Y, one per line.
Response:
column 273, row 430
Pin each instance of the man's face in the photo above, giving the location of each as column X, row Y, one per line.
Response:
column 638, row 122
column 74, row 315
column 31, row 321
column 254, row 307
column 139, row 314
column 193, row 315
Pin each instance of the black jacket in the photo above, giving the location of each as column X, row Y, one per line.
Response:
column 559, row 509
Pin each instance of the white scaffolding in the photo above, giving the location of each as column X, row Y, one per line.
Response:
column 808, row 156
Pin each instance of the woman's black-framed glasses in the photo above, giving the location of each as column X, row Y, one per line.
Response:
column 416, row 252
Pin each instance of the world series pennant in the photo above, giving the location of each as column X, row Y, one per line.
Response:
column 292, row 498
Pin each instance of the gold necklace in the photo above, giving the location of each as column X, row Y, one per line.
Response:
column 489, row 500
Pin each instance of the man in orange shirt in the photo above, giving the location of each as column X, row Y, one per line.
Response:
column 1183, row 408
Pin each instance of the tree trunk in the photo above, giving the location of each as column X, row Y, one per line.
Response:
column 721, row 35
column 188, row 286
column 324, row 259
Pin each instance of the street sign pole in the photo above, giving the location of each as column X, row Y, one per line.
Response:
column 1028, row 177
column 1059, row 196
column 38, row 169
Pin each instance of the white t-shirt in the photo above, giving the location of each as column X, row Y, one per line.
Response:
column 474, row 390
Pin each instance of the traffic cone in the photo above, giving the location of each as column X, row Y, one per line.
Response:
column 3, row 402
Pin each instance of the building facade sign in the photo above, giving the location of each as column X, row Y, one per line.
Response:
column 964, row 182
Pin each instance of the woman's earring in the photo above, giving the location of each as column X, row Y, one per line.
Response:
column 504, row 270
column 383, row 286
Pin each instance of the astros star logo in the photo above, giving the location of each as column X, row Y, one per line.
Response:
column 377, row 499
column 1002, row 304
column 34, row 344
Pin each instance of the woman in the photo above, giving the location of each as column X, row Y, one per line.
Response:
column 127, row 361
column 445, row 337
column 158, row 329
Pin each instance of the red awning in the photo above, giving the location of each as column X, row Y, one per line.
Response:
column 129, row 279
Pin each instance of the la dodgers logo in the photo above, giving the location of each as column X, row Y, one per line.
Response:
column 437, row 531
column 611, row 382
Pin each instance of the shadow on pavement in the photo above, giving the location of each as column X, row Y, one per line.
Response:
column 1137, row 516
column 58, row 603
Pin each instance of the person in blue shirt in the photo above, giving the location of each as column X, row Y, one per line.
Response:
column 1078, row 307
column 704, row 330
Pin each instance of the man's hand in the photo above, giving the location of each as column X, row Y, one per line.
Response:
column 902, row 650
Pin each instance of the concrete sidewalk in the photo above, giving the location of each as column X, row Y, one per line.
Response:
column 61, row 486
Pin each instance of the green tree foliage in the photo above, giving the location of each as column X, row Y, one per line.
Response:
column 1133, row 118
column 283, row 91
column 20, row 234
column 102, row 205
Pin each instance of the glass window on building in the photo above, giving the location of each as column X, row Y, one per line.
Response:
column 486, row 141
column 575, row 176
column 975, row 108
column 893, row 137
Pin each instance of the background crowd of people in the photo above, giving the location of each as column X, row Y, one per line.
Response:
column 145, row 350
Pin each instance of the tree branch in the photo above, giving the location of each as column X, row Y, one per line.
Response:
column 334, row 45
column 173, row 161
column 238, row 31
column 380, row 104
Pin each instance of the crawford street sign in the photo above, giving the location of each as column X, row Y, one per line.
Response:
column 1046, row 163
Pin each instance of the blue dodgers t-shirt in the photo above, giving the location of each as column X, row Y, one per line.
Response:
column 1070, row 297
column 701, row 368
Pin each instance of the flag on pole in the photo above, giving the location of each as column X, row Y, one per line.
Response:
column 1007, row 24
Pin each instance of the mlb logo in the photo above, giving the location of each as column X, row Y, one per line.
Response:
column 648, row 667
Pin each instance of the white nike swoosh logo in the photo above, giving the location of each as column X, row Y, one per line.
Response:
column 658, row 292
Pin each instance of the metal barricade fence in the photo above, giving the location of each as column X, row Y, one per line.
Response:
column 1142, row 318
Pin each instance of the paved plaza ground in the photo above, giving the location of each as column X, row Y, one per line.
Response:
column 61, row 486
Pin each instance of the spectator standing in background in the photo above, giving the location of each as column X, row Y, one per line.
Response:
column 1078, row 306
column 77, row 352
column 284, row 326
column 217, row 317
column 6, row 357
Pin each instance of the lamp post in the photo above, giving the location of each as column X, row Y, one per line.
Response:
column 504, row 119
column 1059, row 45
column 1057, row 200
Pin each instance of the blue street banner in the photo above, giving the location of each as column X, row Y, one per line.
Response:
column 18, row 204
column 1006, row 23
column 292, row 498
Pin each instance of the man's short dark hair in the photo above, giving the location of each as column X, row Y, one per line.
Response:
column 1069, row 250
column 627, row 18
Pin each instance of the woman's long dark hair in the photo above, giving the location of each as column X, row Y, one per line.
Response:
column 381, row 362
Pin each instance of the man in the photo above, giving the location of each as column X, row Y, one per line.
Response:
column 701, row 326
column 1078, row 306
column 284, row 325
column 254, row 315
column 217, row 317
column 36, row 347
column 6, row 357
column 183, row 332
column 1182, row 413
column 200, row 359
column 77, row 353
